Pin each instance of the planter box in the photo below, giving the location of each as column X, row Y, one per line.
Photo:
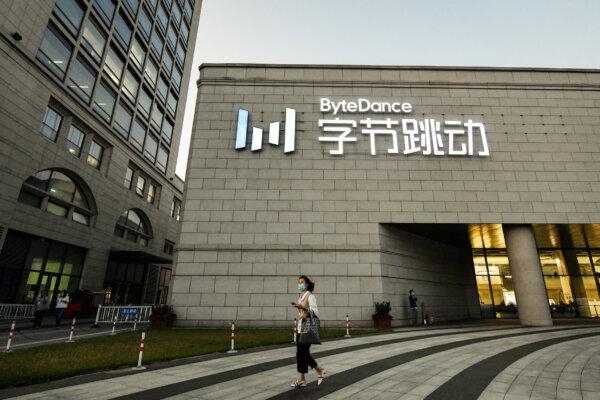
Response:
column 382, row 321
column 162, row 320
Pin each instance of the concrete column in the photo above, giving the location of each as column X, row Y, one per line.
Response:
column 530, row 290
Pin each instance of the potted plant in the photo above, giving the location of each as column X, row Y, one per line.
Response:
column 382, row 318
column 162, row 316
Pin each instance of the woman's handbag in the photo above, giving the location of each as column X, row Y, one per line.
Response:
column 309, row 329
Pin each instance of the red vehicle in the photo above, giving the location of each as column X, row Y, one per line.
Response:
column 84, row 304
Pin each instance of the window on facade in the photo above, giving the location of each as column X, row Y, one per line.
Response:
column 64, row 197
column 138, row 135
column 132, row 226
column 70, row 13
column 132, row 6
column 145, row 24
column 128, row 178
column 145, row 102
column 162, row 18
column 167, row 62
column 152, row 4
column 122, row 120
column 51, row 124
column 104, row 101
column 140, row 186
column 82, row 79
column 176, row 208
column 168, row 3
column 106, row 10
column 151, row 196
column 162, row 158
column 131, row 85
column 176, row 78
column 137, row 54
column 156, row 117
column 187, row 10
column 172, row 103
column 150, row 148
column 122, row 31
column 162, row 88
column 94, row 157
column 93, row 40
column 168, row 247
column 75, row 141
column 172, row 37
column 113, row 65
column 151, row 72
column 180, row 53
column 176, row 13
column 156, row 43
column 54, row 52
column 167, row 130
column 185, row 33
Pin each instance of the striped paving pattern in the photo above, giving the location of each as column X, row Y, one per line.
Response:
column 458, row 363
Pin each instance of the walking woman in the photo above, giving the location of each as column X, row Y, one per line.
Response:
column 308, row 329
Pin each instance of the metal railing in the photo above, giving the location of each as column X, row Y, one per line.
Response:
column 123, row 314
column 16, row 311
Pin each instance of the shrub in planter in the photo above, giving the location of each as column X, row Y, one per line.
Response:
column 162, row 316
column 382, row 318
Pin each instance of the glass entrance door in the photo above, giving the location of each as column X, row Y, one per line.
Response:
column 48, row 283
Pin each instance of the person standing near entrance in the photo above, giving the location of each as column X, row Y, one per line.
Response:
column 307, row 311
column 39, row 304
column 412, row 301
column 61, row 305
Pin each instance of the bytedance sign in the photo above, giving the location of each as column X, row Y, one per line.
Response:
column 427, row 136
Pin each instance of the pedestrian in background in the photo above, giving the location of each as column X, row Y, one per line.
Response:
column 412, row 301
column 39, row 304
column 308, row 329
column 61, row 305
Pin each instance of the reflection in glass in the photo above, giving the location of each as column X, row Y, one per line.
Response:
column 82, row 79
column 54, row 52
column 70, row 13
column 93, row 41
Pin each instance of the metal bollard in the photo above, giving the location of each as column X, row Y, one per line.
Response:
column 139, row 364
column 233, row 350
column 11, row 334
column 70, row 340
column 295, row 331
column 347, row 326
column 114, row 326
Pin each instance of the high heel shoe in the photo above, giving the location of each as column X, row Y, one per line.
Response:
column 298, row 384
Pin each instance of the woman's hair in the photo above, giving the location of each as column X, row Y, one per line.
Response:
column 310, row 285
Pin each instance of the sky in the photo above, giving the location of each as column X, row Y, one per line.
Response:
column 489, row 33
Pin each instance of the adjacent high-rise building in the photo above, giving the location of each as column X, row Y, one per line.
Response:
column 92, row 98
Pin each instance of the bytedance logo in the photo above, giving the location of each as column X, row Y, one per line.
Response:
column 289, row 136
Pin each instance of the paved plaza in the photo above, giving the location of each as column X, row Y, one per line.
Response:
column 465, row 362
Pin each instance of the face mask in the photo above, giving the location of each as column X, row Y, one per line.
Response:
column 301, row 287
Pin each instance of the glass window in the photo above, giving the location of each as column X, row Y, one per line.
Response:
column 54, row 52
column 187, row 9
column 150, row 148
column 122, row 120
column 81, row 218
column 185, row 33
column 137, row 54
column 56, row 209
column 61, row 186
column 145, row 102
column 172, row 103
column 122, row 31
column 168, row 2
column 180, row 53
column 104, row 101
column 139, row 189
column 70, row 13
column 131, row 85
column 151, row 72
column 156, row 43
column 113, row 65
column 151, row 193
column 82, row 79
column 172, row 37
column 156, row 117
column 167, row 62
column 152, row 4
column 161, row 159
column 106, row 10
column 132, row 6
column 162, row 88
column 74, row 141
column 51, row 124
column 93, row 40
column 128, row 178
column 176, row 78
column 176, row 13
column 145, row 24
column 95, row 155
column 79, row 200
column 175, row 208
column 162, row 18
column 40, row 180
column 138, row 135
column 167, row 130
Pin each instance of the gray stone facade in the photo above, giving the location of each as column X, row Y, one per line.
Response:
column 254, row 221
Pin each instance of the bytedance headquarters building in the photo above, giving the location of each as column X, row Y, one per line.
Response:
column 478, row 188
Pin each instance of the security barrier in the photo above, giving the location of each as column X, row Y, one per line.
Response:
column 16, row 311
column 123, row 314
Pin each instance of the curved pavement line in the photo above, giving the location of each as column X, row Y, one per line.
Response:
column 472, row 381
column 210, row 380
column 351, row 376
